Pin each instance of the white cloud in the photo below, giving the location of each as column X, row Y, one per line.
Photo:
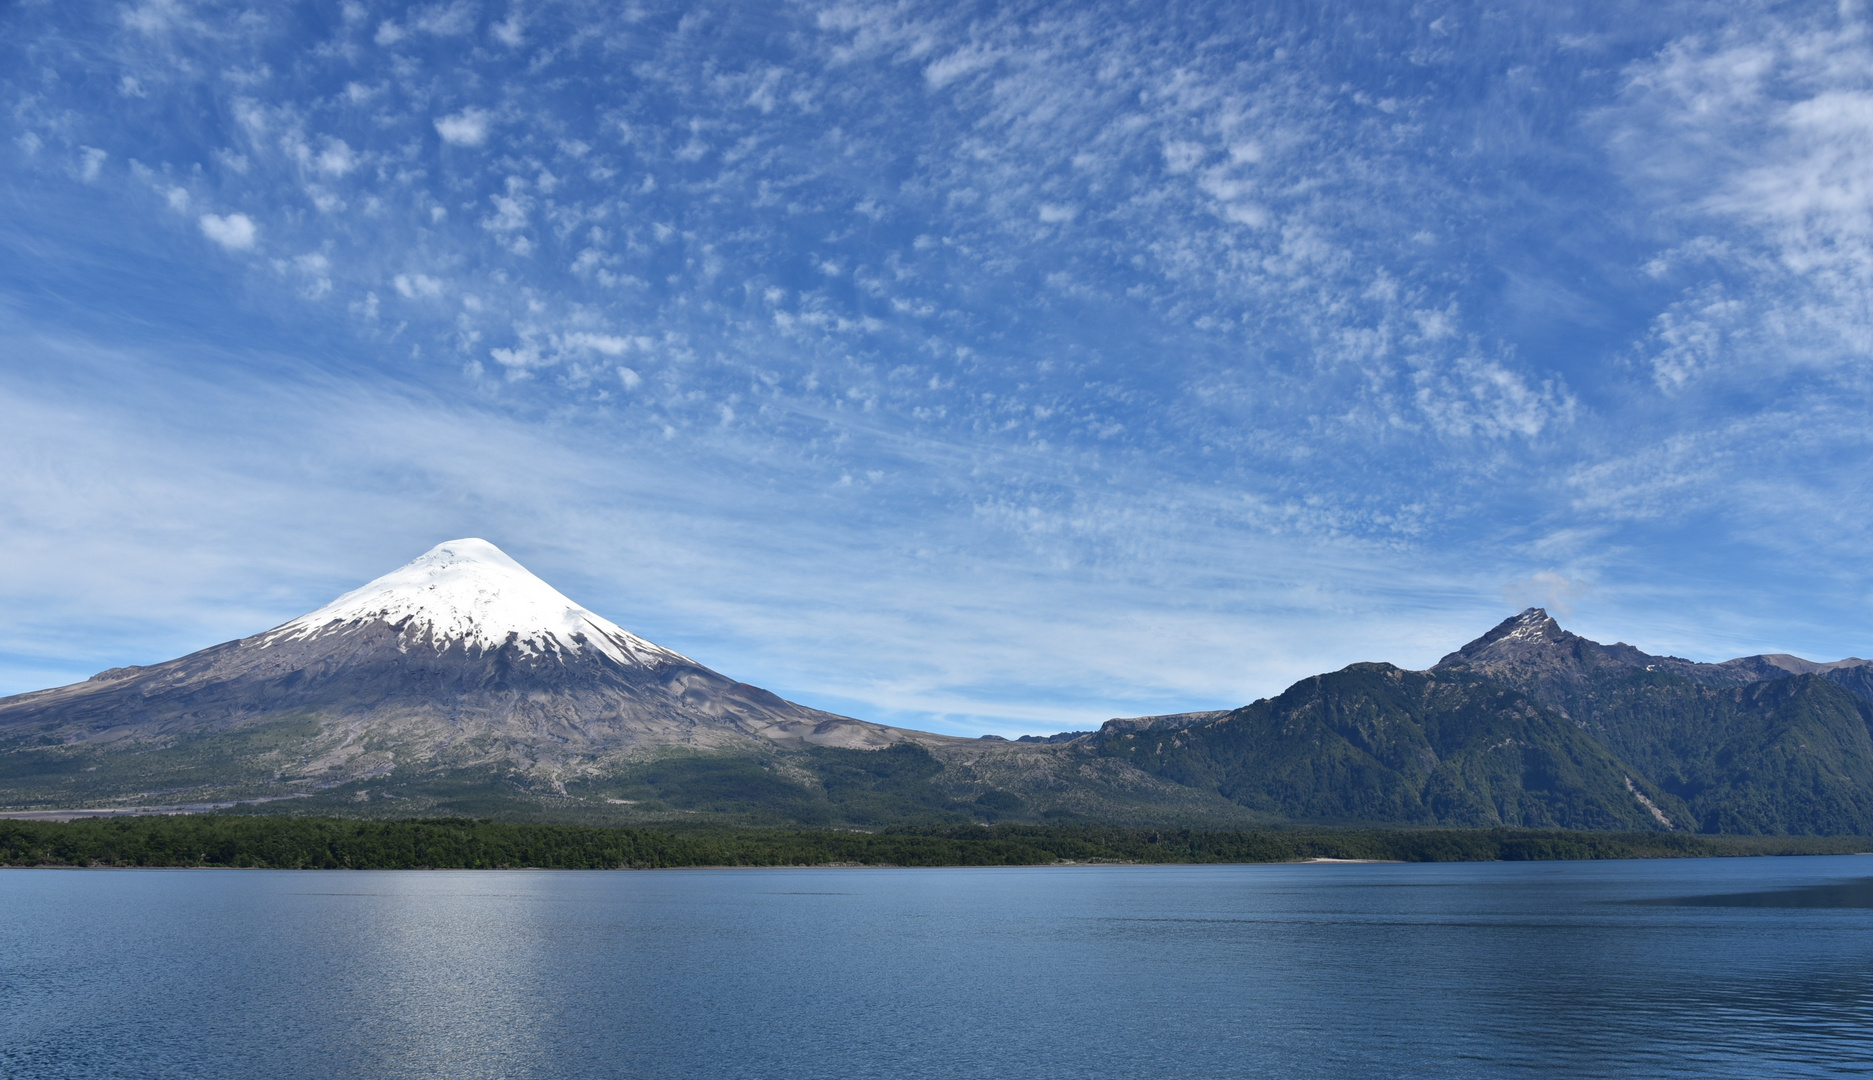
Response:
column 466, row 128
column 90, row 162
column 440, row 20
column 252, row 116
column 607, row 344
column 154, row 16
column 325, row 200
column 444, row 20
column 765, row 95
column 940, row 73
column 413, row 286
column 510, row 212
column 336, row 159
column 1181, row 156
column 519, row 360
column 1478, row 397
column 236, row 232
column 1693, row 335
column 316, row 272
column 510, row 32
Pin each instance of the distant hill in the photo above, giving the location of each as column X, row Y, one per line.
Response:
column 1533, row 725
column 1376, row 743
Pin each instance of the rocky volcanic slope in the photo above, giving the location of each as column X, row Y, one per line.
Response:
column 462, row 681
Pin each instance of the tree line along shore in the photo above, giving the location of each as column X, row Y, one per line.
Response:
column 215, row 840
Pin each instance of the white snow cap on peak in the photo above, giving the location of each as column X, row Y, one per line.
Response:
column 470, row 591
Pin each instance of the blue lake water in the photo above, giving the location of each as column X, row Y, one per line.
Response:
column 1710, row 967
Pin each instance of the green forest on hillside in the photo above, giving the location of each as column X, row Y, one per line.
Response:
column 457, row 843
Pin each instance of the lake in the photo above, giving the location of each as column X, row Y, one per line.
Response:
column 1748, row 967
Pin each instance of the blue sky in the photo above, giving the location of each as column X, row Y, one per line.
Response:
column 976, row 367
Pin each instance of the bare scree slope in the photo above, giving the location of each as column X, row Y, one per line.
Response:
column 461, row 683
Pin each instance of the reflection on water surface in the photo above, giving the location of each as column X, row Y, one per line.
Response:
column 1845, row 894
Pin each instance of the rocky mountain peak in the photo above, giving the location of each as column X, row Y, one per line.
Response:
column 1518, row 637
column 1532, row 652
column 1530, row 622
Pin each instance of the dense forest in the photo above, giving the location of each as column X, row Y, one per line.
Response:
column 459, row 843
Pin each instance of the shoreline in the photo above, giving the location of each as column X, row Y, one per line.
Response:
column 98, row 868
column 278, row 842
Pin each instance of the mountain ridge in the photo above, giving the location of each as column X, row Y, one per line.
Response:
column 461, row 680
column 460, row 683
column 1532, row 647
column 1421, row 748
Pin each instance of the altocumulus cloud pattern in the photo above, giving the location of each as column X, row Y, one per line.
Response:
column 981, row 367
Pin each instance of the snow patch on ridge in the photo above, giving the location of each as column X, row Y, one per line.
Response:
column 470, row 591
column 1530, row 625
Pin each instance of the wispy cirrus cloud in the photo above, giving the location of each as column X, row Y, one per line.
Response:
column 1759, row 138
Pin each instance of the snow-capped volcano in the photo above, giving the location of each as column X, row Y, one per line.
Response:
column 455, row 664
column 470, row 593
